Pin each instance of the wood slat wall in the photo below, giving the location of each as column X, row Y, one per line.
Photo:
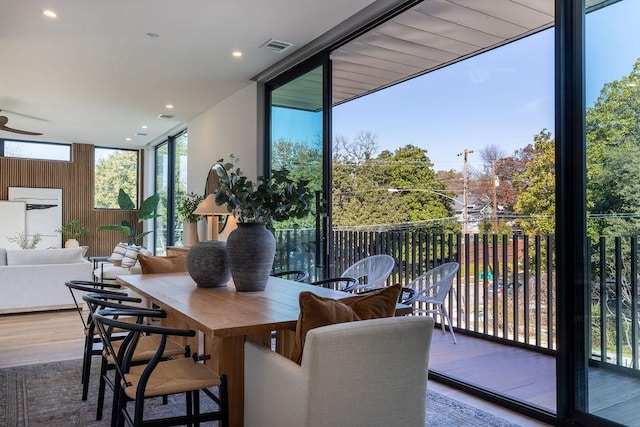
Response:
column 76, row 180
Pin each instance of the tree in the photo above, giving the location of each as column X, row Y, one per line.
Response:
column 361, row 193
column 536, row 199
column 119, row 170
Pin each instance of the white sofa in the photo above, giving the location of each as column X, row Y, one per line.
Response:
column 33, row 279
column 363, row 373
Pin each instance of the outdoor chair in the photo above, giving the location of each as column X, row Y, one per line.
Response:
column 92, row 343
column 158, row 377
column 370, row 272
column 295, row 275
column 144, row 351
column 345, row 377
column 432, row 288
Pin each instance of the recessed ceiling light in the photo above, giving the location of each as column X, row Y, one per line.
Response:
column 49, row 13
column 236, row 53
column 145, row 127
column 127, row 139
column 169, row 106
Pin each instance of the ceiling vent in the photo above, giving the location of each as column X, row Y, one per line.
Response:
column 165, row 116
column 141, row 134
column 277, row 46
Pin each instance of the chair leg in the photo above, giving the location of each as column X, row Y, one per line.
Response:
column 444, row 316
column 86, row 365
column 224, row 401
column 196, row 405
column 101, row 387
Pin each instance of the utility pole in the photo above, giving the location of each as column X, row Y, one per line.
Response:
column 496, row 183
column 465, row 188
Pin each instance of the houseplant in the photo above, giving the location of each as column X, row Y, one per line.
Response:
column 147, row 210
column 251, row 247
column 185, row 207
column 72, row 230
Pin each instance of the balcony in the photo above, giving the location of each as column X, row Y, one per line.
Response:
column 503, row 310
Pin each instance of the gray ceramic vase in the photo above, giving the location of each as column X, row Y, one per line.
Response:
column 251, row 248
column 208, row 264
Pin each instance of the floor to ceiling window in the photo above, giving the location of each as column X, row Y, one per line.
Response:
column 171, row 184
column 298, row 139
column 612, row 64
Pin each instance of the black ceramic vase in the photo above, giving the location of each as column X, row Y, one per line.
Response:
column 251, row 248
column 208, row 265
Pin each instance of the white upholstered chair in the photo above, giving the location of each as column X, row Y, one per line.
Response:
column 363, row 373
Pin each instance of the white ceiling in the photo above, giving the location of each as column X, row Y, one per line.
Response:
column 92, row 75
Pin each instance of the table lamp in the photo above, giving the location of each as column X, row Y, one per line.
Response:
column 212, row 211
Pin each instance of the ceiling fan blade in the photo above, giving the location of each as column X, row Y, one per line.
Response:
column 3, row 126
column 25, row 115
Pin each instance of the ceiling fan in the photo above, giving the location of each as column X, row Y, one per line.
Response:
column 4, row 120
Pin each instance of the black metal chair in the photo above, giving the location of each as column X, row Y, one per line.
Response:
column 144, row 351
column 92, row 343
column 346, row 284
column 158, row 377
column 295, row 275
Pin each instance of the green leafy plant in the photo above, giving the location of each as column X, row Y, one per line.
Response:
column 73, row 229
column 23, row 241
column 187, row 205
column 278, row 198
column 146, row 211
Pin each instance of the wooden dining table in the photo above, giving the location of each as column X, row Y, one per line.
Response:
column 227, row 318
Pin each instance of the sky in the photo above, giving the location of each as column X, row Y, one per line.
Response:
column 502, row 97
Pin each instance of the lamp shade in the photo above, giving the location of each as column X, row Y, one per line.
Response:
column 209, row 207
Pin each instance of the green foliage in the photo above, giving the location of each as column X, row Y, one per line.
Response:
column 361, row 195
column 536, row 197
column 73, row 229
column 146, row 211
column 118, row 170
column 278, row 198
column 186, row 205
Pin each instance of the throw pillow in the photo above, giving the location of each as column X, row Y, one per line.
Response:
column 159, row 264
column 317, row 311
column 118, row 252
column 130, row 256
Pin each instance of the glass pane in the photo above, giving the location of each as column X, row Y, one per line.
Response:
column 162, row 176
column 37, row 150
column 180, row 182
column 296, row 144
column 115, row 169
column 613, row 208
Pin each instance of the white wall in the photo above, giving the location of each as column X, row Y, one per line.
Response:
column 229, row 127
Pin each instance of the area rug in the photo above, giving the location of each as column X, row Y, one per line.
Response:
column 49, row 395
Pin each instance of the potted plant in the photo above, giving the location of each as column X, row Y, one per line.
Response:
column 184, row 209
column 146, row 211
column 72, row 230
column 251, row 247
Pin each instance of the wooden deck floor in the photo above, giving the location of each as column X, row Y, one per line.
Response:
column 530, row 377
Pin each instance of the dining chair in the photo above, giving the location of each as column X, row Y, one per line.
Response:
column 144, row 351
column 432, row 289
column 295, row 275
column 370, row 272
column 158, row 377
column 346, row 284
column 92, row 343
column 360, row 373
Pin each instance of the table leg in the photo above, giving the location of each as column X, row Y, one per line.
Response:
column 284, row 342
column 227, row 357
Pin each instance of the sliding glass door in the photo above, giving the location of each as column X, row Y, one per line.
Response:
column 298, row 140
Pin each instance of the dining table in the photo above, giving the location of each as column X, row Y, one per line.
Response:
column 227, row 318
